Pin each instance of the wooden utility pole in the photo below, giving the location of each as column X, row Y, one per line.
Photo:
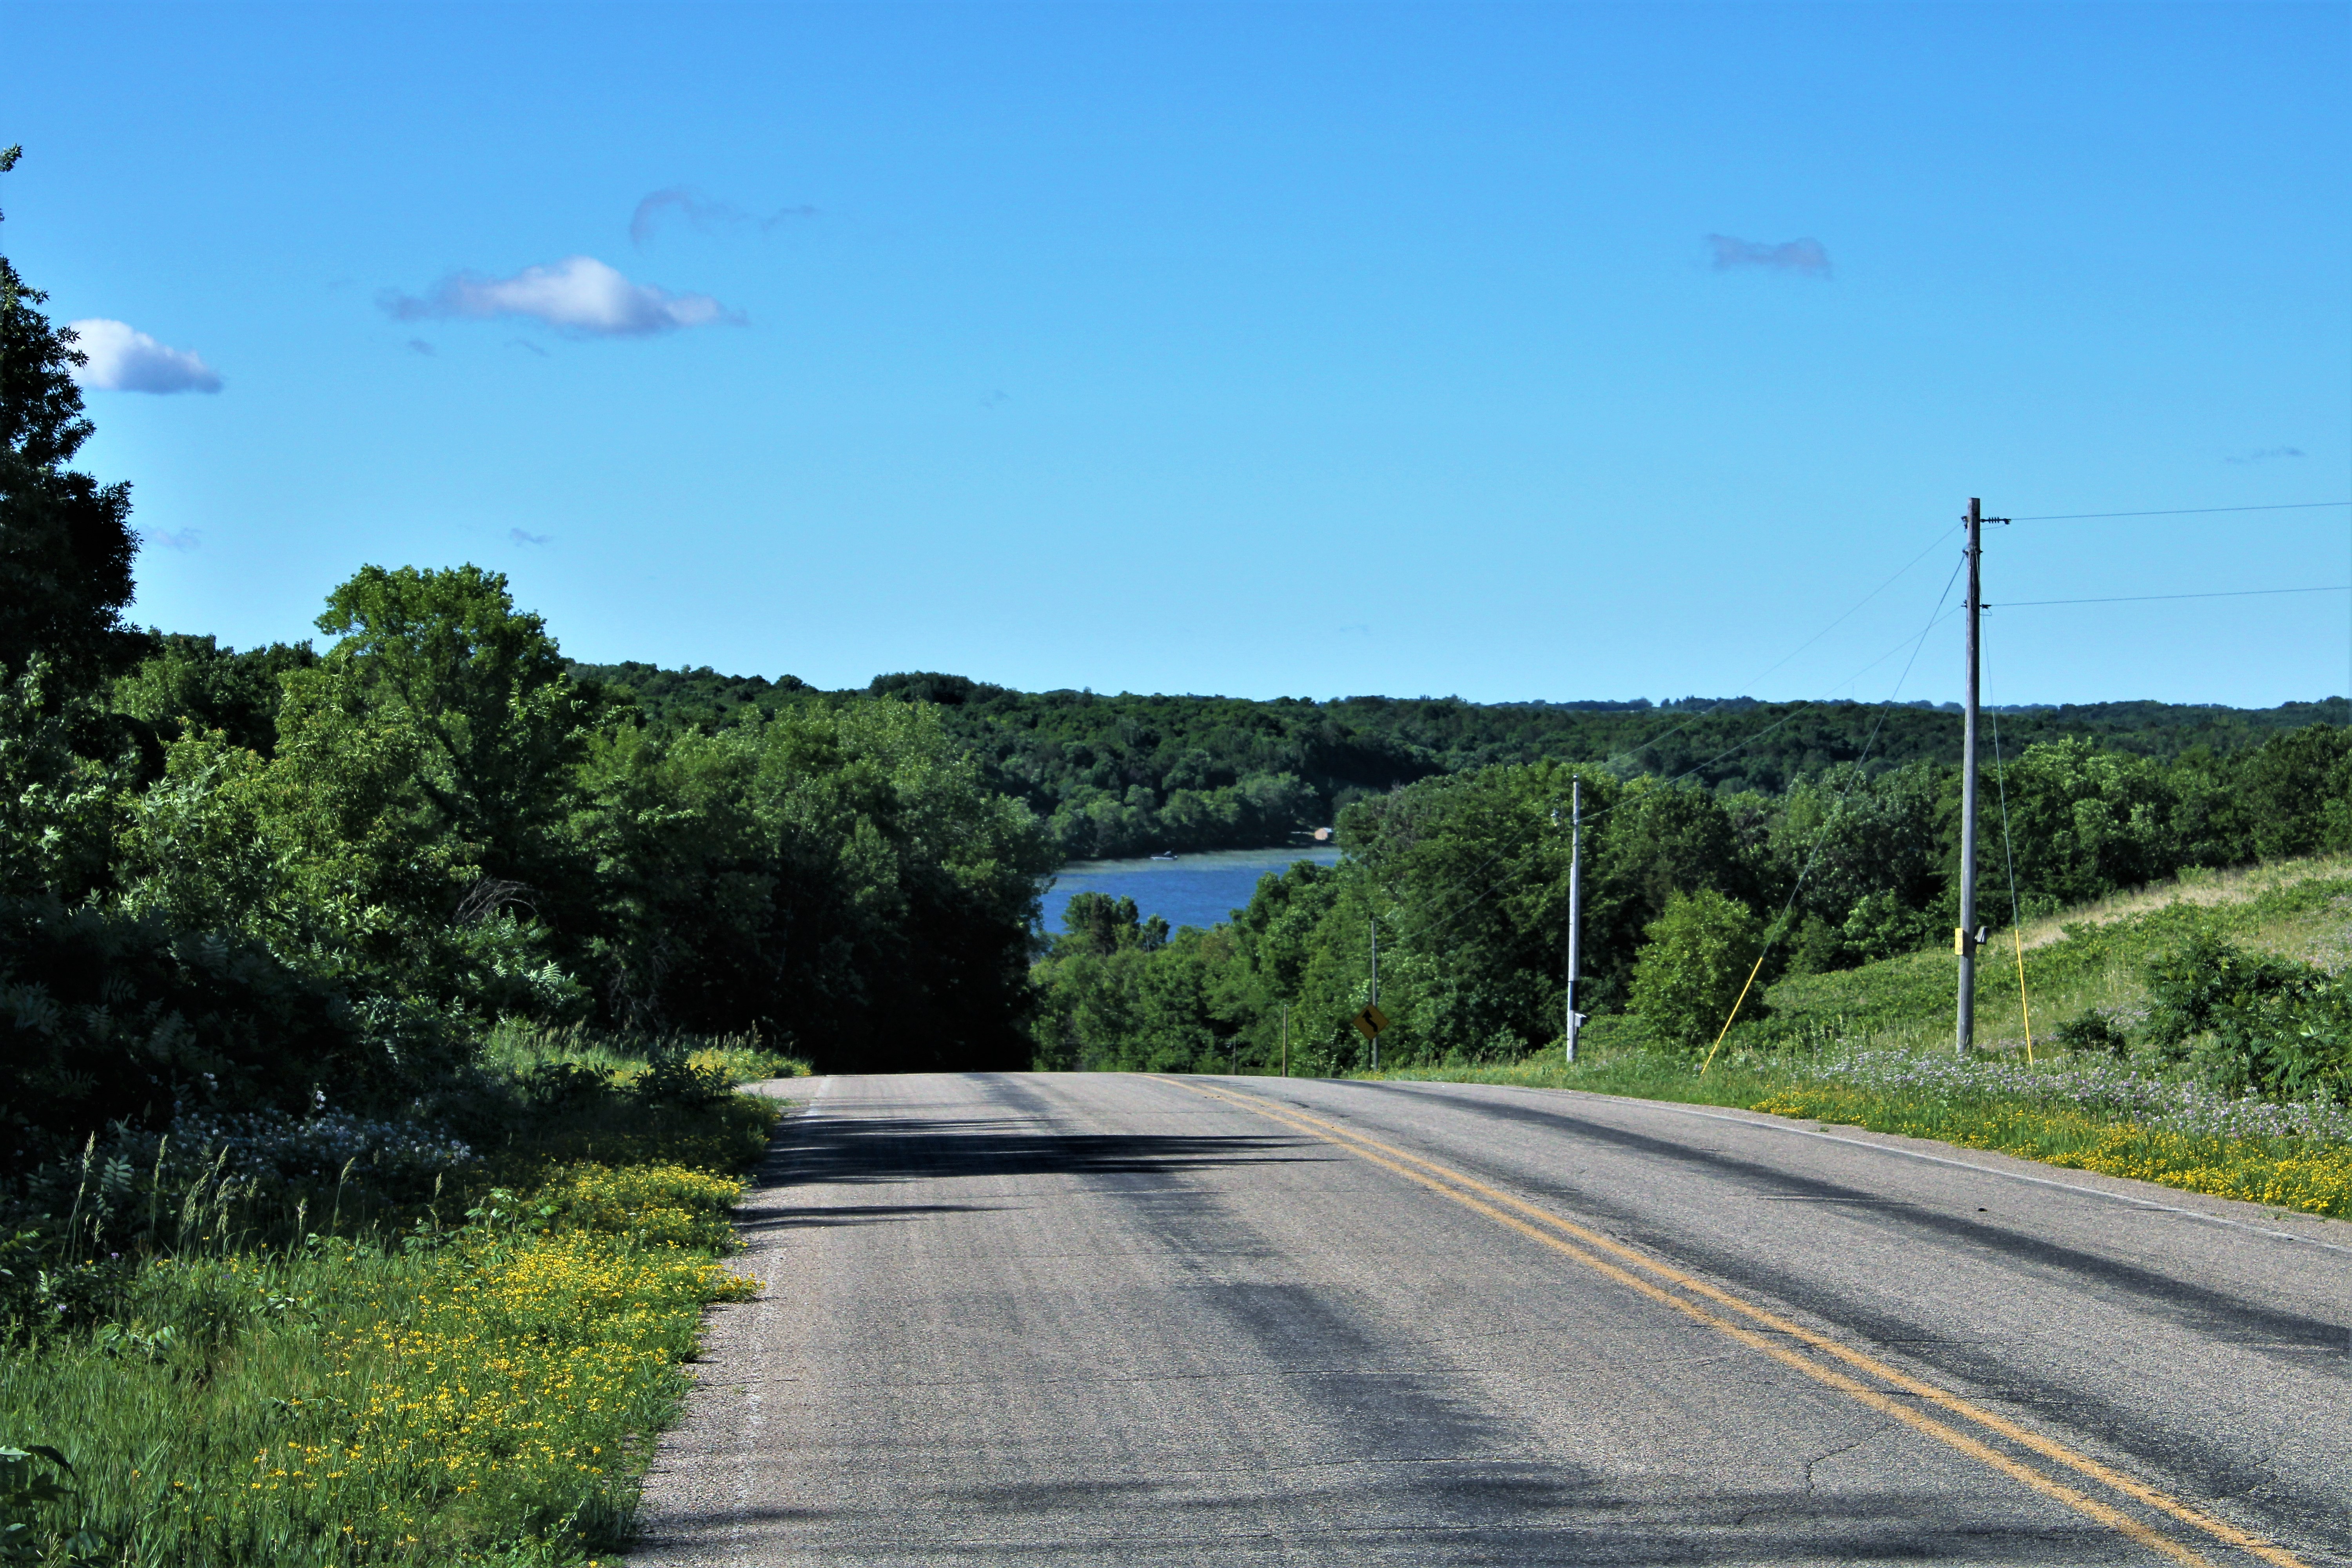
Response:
column 1964, row 939
column 1376, row 988
column 1575, row 891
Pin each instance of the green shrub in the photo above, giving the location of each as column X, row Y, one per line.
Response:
column 2249, row 1022
column 106, row 1016
column 2091, row 1030
column 1700, row 954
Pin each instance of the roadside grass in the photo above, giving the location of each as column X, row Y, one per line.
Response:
column 478, row 1380
column 1872, row 1047
column 518, row 1047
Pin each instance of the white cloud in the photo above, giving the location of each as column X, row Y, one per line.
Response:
column 578, row 294
column 123, row 360
column 186, row 539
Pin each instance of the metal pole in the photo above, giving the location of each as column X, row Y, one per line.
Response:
column 1575, row 895
column 1285, row 1039
column 1376, row 988
column 1964, row 940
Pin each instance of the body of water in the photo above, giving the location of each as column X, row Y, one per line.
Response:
column 1189, row 891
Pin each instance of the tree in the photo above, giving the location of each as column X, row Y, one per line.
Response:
column 2294, row 791
column 1100, row 924
column 410, row 831
column 442, row 662
column 1658, row 841
column 835, row 876
column 188, row 685
column 2083, row 822
column 66, row 547
column 58, row 810
column 1699, row 955
column 1867, row 849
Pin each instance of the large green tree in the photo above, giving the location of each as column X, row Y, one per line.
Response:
column 836, row 875
column 447, row 658
column 66, row 547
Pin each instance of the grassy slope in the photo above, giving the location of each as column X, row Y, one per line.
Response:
column 480, row 1384
column 2087, row 958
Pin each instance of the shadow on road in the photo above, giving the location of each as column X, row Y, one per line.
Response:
column 886, row 1149
column 848, row 1214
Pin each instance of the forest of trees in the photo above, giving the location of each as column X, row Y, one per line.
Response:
column 1131, row 775
column 1466, row 876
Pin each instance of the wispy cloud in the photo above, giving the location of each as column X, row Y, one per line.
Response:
column 520, row 537
column 419, row 346
column 527, row 346
column 186, row 539
column 1806, row 258
column 124, row 360
column 697, row 211
column 579, row 295
column 2265, row 454
column 701, row 213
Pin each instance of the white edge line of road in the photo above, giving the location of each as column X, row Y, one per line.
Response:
column 754, row 1417
column 1777, row 1125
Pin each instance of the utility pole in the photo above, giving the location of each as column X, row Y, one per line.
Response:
column 1285, row 1039
column 1575, row 894
column 1376, row 988
column 1964, row 939
column 1969, row 936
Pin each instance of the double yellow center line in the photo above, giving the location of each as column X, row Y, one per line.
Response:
column 1771, row 1333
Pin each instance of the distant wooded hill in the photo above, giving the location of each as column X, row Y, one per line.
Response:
column 1129, row 775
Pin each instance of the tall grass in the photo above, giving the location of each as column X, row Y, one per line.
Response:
column 475, row 1375
column 517, row 1047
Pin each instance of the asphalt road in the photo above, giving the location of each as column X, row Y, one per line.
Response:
column 1121, row 1320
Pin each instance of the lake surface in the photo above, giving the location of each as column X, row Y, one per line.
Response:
column 1189, row 891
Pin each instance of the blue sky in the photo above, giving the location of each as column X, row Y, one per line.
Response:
column 1555, row 351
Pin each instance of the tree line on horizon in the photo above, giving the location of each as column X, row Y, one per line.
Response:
column 1129, row 774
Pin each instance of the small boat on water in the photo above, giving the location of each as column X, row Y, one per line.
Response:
column 1165, row 855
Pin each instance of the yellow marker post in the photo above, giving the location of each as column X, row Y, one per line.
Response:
column 1735, row 1012
column 2018, row 939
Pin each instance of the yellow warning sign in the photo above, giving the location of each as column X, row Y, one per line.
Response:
column 1372, row 1021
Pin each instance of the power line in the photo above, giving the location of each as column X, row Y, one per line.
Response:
column 1756, row 680
column 1773, row 932
column 2149, row 598
column 1486, row 889
column 2179, row 512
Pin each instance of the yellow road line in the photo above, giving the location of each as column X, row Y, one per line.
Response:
column 1399, row 1159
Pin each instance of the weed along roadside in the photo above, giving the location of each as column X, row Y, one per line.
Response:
column 432, row 1352
column 2197, row 1035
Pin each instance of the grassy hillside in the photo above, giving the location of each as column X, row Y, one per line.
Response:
column 2093, row 957
column 2100, row 1089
